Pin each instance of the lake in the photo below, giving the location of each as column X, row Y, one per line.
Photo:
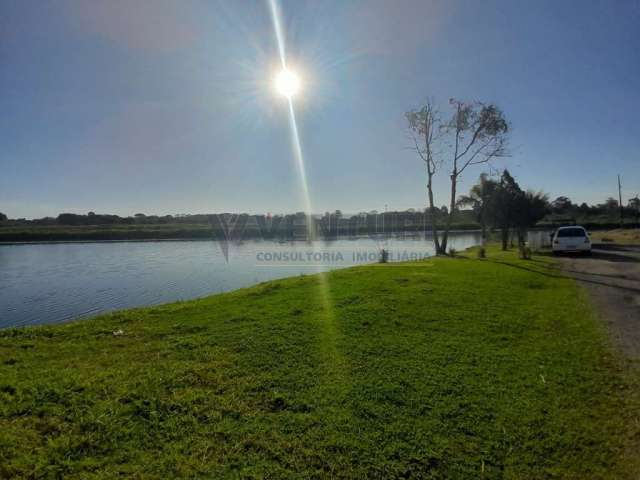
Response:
column 56, row 282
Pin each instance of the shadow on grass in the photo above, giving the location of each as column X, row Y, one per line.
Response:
column 612, row 257
column 606, row 275
column 534, row 270
column 617, row 246
column 597, row 254
column 560, row 276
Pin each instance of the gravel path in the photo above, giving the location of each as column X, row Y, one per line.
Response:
column 612, row 277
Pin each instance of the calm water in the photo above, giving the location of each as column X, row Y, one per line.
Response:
column 52, row 283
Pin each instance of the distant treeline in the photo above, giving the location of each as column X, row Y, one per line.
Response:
column 606, row 215
column 95, row 226
column 609, row 212
column 68, row 226
column 91, row 218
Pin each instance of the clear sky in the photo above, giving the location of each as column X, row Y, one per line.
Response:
column 126, row 106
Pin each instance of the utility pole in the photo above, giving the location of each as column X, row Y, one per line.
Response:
column 620, row 202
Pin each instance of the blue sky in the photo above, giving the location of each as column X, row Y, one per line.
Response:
column 126, row 106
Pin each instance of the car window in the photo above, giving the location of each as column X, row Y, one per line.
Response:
column 571, row 232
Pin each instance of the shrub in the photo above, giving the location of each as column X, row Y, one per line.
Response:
column 524, row 252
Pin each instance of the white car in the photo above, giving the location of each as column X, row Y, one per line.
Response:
column 571, row 239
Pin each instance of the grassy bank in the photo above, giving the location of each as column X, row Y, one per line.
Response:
column 451, row 368
column 629, row 236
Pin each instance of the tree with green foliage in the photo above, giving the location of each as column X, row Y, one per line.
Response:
column 531, row 207
column 478, row 134
column 611, row 205
column 634, row 206
column 3, row 217
column 502, row 206
column 478, row 199
column 561, row 205
column 511, row 208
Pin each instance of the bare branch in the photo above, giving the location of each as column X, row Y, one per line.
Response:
column 474, row 138
column 486, row 157
column 419, row 151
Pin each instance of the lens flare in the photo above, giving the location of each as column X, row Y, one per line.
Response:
column 287, row 83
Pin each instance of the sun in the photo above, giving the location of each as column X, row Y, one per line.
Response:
column 287, row 83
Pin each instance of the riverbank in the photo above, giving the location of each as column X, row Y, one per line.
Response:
column 39, row 234
column 444, row 368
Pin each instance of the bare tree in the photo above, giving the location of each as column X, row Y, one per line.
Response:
column 424, row 129
column 479, row 134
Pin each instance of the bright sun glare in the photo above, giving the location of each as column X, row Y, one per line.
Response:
column 287, row 83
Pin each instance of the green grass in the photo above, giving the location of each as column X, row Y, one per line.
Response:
column 451, row 368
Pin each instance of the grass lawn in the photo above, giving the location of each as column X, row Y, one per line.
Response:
column 449, row 368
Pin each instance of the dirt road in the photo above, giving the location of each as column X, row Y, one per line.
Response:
column 612, row 277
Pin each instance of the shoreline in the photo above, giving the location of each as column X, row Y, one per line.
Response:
column 204, row 239
column 209, row 237
column 264, row 367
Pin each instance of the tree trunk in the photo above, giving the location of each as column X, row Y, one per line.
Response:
column 432, row 211
column 505, row 237
column 454, row 180
column 452, row 207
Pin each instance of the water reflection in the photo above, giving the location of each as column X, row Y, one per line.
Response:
column 51, row 283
